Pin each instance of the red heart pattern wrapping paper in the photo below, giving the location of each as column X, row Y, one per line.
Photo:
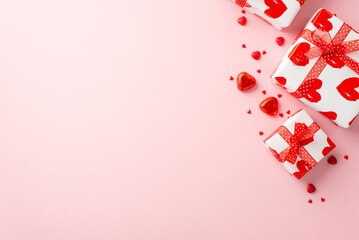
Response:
column 279, row 13
column 321, row 68
column 299, row 144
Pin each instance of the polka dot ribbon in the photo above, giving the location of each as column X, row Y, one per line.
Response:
column 303, row 135
column 241, row 3
column 330, row 51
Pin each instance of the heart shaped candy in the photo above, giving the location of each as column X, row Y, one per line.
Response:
column 269, row 106
column 245, row 81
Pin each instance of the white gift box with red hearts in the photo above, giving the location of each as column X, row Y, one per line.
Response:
column 321, row 68
column 302, row 138
column 279, row 13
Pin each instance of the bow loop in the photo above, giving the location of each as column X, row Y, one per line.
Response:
column 302, row 136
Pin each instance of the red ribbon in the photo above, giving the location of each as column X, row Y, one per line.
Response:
column 303, row 135
column 330, row 51
column 241, row 3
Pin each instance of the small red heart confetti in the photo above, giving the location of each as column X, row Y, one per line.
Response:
column 346, row 157
column 261, row 133
column 249, row 111
column 279, row 95
column 332, row 160
column 269, row 106
column 288, row 112
column 243, row 11
column 242, row 20
column 264, row 52
column 310, row 201
column 264, row 92
column 244, row 46
column 279, row 41
column 311, row 188
column 281, row 114
column 256, row 55
column 322, row 199
column 245, row 81
column 231, row 78
column 259, row 71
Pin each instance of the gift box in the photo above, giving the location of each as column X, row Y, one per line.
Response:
column 279, row 13
column 321, row 68
column 299, row 144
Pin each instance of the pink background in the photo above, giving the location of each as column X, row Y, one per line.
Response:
column 118, row 121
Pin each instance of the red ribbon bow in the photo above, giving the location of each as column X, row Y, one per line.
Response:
column 332, row 51
column 303, row 135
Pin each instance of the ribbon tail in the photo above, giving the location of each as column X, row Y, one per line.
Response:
column 351, row 63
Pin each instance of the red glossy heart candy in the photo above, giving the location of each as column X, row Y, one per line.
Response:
column 332, row 160
column 256, row 55
column 310, row 201
column 269, row 106
column 279, row 41
column 242, row 20
column 245, row 81
column 311, row 188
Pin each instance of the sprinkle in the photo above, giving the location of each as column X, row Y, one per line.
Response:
column 279, row 95
column 249, row 111
column 264, row 92
column 231, row 78
column 322, row 199
column 259, row 71
column 244, row 46
column 310, row 201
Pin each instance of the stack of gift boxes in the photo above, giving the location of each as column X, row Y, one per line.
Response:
column 320, row 69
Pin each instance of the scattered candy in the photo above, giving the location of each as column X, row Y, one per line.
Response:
column 244, row 46
column 264, row 92
column 346, row 157
column 261, row 133
column 259, row 71
column 281, row 114
column 288, row 112
column 311, row 188
column 332, row 160
column 242, row 20
column 310, row 201
column 245, row 81
column 279, row 95
column 322, row 199
column 256, row 55
column 243, row 11
column 264, row 52
column 279, row 41
column 249, row 111
column 231, row 78
column 269, row 106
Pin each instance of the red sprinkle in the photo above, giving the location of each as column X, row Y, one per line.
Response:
column 242, row 20
column 311, row 188
column 244, row 46
column 279, row 95
column 281, row 114
column 243, row 11
column 264, row 52
column 279, row 41
column 346, row 157
column 288, row 112
column 264, row 92
column 256, row 55
column 310, row 201
column 259, row 71
column 332, row 160
column 261, row 133
column 249, row 111
column 231, row 78
column 322, row 199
